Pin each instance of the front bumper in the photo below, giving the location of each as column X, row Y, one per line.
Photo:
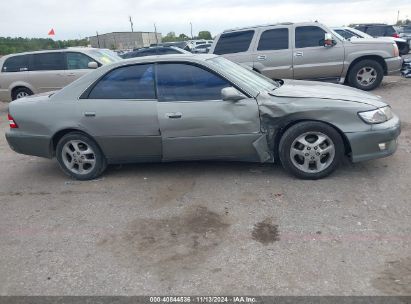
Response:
column 28, row 144
column 368, row 145
column 394, row 65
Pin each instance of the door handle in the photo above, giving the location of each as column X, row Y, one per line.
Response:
column 174, row 115
column 298, row 54
column 261, row 57
column 89, row 114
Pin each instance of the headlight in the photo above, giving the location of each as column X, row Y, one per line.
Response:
column 377, row 116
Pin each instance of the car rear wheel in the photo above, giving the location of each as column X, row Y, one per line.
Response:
column 366, row 75
column 404, row 49
column 21, row 92
column 80, row 157
column 311, row 150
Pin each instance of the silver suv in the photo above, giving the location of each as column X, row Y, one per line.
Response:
column 309, row 51
column 30, row 73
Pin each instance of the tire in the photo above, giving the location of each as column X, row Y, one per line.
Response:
column 319, row 157
column 21, row 92
column 404, row 49
column 366, row 66
column 80, row 157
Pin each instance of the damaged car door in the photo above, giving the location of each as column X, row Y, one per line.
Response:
column 195, row 121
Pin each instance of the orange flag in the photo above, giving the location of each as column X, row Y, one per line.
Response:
column 51, row 32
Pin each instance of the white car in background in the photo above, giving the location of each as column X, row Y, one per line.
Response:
column 350, row 33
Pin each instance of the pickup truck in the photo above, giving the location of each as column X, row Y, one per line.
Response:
column 309, row 50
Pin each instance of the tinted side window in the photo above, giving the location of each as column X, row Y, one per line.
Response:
column 376, row 31
column 345, row 34
column 129, row 82
column 308, row 36
column 234, row 42
column 184, row 82
column 77, row 61
column 47, row 62
column 16, row 64
column 276, row 39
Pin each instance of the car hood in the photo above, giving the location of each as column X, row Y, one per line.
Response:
column 329, row 91
column 384, row 40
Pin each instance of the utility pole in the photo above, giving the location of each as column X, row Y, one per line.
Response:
column 131, row 23
column 398, row 16
column 98, row 40
column 191, row 30
column 155, row 33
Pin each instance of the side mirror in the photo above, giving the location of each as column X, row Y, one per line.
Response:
column 92, row 65
column 328, row 40
column 231, row 94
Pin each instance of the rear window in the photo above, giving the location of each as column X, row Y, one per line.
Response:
column 16, row 64
column 309, row 36
column 47, row 62
column 276, row 39
column 389, row 31
column 234, row 42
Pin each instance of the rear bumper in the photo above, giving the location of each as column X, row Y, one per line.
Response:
column 380, row 141
column 394, row 65
column 35, row 145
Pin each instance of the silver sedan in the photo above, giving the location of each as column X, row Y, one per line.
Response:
column 200, row 107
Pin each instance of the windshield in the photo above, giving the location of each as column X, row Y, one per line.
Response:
column 242, row 75
column 104, row 56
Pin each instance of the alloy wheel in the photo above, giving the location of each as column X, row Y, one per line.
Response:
column 78, row 157
column 312, row 152
column 366, row 76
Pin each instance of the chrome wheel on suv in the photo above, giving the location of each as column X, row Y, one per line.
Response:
column 366, row 74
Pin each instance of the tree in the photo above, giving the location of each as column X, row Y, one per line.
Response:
column 170, row 37
column 10, row 45
column 403, row 22
column 204, row 35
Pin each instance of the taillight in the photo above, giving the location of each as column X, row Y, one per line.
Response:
column 12, row 123
column 395, row 35
column 396, row 51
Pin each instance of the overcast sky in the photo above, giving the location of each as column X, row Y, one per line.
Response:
column 81, row 18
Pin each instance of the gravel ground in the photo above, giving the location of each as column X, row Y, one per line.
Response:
column 208, row 228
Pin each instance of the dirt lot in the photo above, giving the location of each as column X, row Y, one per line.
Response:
column 208, row 228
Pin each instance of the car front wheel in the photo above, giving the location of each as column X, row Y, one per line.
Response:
column 366, row 75
column 311, row 150
column 80, row 157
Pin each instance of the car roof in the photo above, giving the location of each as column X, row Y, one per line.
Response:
column 268, row 25
column 169, row 57
column 70, row 49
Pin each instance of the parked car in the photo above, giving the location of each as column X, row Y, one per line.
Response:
column 202, row 48
column 349, row 33
column 309, row 51
column 156, row 50
column 405, row 33
column 192, row 44
column 200, row 107
column 30, row 73
column 377, row 29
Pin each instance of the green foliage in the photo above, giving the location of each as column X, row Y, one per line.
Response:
column 171, row 37
column 403, row 22
column 10, row 45
column 205, row 35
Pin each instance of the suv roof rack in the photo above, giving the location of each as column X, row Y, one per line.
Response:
column 256, row 26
